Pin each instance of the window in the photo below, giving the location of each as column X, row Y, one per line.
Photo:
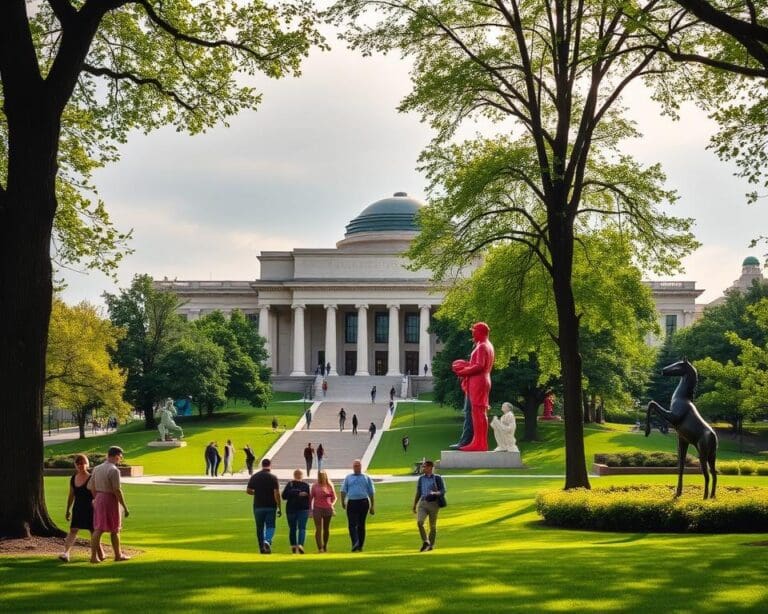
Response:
column 381, row 327
column 670, row 324
column 253, row 318
column 350, row 328
column 411, row 327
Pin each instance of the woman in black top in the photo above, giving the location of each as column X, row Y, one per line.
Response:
column 82, row 511
column 296, row 495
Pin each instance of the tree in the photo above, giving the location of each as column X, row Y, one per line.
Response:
column 456, row 343
column 80, row 375
column 549, row 76
column 148, row 317
column 509, row 291
column 122, row 65
column 239, row 345
column 195, row 366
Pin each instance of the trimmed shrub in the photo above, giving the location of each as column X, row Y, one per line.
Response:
column 67, row 461
column 642, row 459
column 747, row 467
column 728, row 468
column 762, row 469
column 655, row 509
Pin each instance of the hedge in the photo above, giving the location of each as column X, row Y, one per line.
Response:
column 67, row 461
column 642, row 459
column 646, row 508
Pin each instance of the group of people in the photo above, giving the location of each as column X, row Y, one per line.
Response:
column 357, row 499
column 309, row 456
column 94, row 503
column 213, row 459
column 355, row 422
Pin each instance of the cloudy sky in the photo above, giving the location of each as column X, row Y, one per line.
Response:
column 324, row 146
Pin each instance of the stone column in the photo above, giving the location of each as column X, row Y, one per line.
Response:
column 298, row 340
column 424, row 346
column 362, row 340
column 264, row 332
column 393, row 357
column 330, row 338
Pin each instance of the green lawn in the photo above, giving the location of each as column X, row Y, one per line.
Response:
column 431, row 428
column 492, row 555
column 242, row 424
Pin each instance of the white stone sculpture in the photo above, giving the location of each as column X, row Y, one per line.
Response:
column 166, row 423
column 504, row 429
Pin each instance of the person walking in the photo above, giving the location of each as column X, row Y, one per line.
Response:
column 274, row 423
column 82, row 510
column 391, row 394
column 308, row 417
column 372, row 430
column 426, row 368
column 391, row 407
column 265, row 490
column 406, row 442
column 328, row 369
column 342, row 418
column 250, row 457
column 320, row 454
column 296, row 496
column 325, row 387
column 354, row 424
column 229, row 457
column 357, row 497
column 210, row 459
column 322, row 497
column 373, row 394
column 309, row 455
column 430, row 497
column 217, row 459
column 107, row 499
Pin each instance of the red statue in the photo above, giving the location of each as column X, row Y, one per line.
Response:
column 475, row 377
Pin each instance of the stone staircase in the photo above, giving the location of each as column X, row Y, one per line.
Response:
column 352, row 388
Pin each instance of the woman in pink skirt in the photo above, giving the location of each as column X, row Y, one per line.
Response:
column 108, row 497
column 322, row 497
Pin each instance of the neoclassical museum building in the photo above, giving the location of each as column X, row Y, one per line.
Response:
column 357, row 306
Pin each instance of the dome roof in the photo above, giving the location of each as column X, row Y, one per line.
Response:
column 750, row 261
column 397, row 213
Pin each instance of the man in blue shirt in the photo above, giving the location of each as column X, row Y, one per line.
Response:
column 430, row 493
column 357, row 498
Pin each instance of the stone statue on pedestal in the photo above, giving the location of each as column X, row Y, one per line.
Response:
column 165, row 420
column 504, row 429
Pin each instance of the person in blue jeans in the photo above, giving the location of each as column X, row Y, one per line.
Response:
column 296, row 495
column 265, row 490
column 357, row 498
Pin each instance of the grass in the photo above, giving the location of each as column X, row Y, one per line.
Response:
column 431, row 428
column 242, row 424
column 493, row 554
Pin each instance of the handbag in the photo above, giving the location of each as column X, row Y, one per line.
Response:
column 441, row 502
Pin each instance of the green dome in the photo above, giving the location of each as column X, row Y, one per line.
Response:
column 750, row 261
column 397, row 213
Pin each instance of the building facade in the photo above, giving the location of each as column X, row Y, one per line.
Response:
column 357, row 306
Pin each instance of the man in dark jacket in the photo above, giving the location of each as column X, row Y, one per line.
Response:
column 430, row 497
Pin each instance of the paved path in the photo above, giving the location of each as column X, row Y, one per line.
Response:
column 68, row 434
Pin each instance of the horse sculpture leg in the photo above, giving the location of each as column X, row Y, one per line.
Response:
column 682, row 450
column 707, row 452
column 653, row 406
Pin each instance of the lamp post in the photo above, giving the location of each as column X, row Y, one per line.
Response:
column 413, row 410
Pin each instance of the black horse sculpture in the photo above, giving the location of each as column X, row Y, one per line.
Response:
column 690, row 426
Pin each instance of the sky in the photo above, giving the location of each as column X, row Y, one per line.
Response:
column 322, row 147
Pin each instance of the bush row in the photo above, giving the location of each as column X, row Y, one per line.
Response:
column 642, row 459
column 742, row 467
column 67, row 461
column 654, row 509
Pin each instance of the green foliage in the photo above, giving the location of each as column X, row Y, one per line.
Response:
column 640, row 458
column 151, row 325
column 728, row 467
column 653, row 509
column 456, row 343
column 67, row 461
column 747, row 467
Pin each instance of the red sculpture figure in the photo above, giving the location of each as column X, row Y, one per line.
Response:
column 475, row 377
column 549, row 406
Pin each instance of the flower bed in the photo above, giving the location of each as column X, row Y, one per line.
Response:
column 653, row 508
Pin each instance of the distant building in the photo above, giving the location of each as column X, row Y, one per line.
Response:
column 750, row 271
column 676, row 306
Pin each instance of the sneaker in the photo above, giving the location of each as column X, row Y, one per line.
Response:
column 424, row 546
column 300, row 549
column 355, row 548
column 267, row 548
column 430, row 547
column 64, row 557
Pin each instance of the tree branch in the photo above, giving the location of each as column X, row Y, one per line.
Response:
column 127, row 76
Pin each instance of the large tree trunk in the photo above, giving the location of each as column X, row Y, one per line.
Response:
column 561, row 238
column 531, row 412
column 27, row 209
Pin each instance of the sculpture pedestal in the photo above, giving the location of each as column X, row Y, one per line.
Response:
column 456, row 459
column 168, row 444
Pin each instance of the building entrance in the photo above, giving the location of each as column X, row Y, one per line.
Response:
column 380, row 363
column 350, row 362
column 412, row 363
